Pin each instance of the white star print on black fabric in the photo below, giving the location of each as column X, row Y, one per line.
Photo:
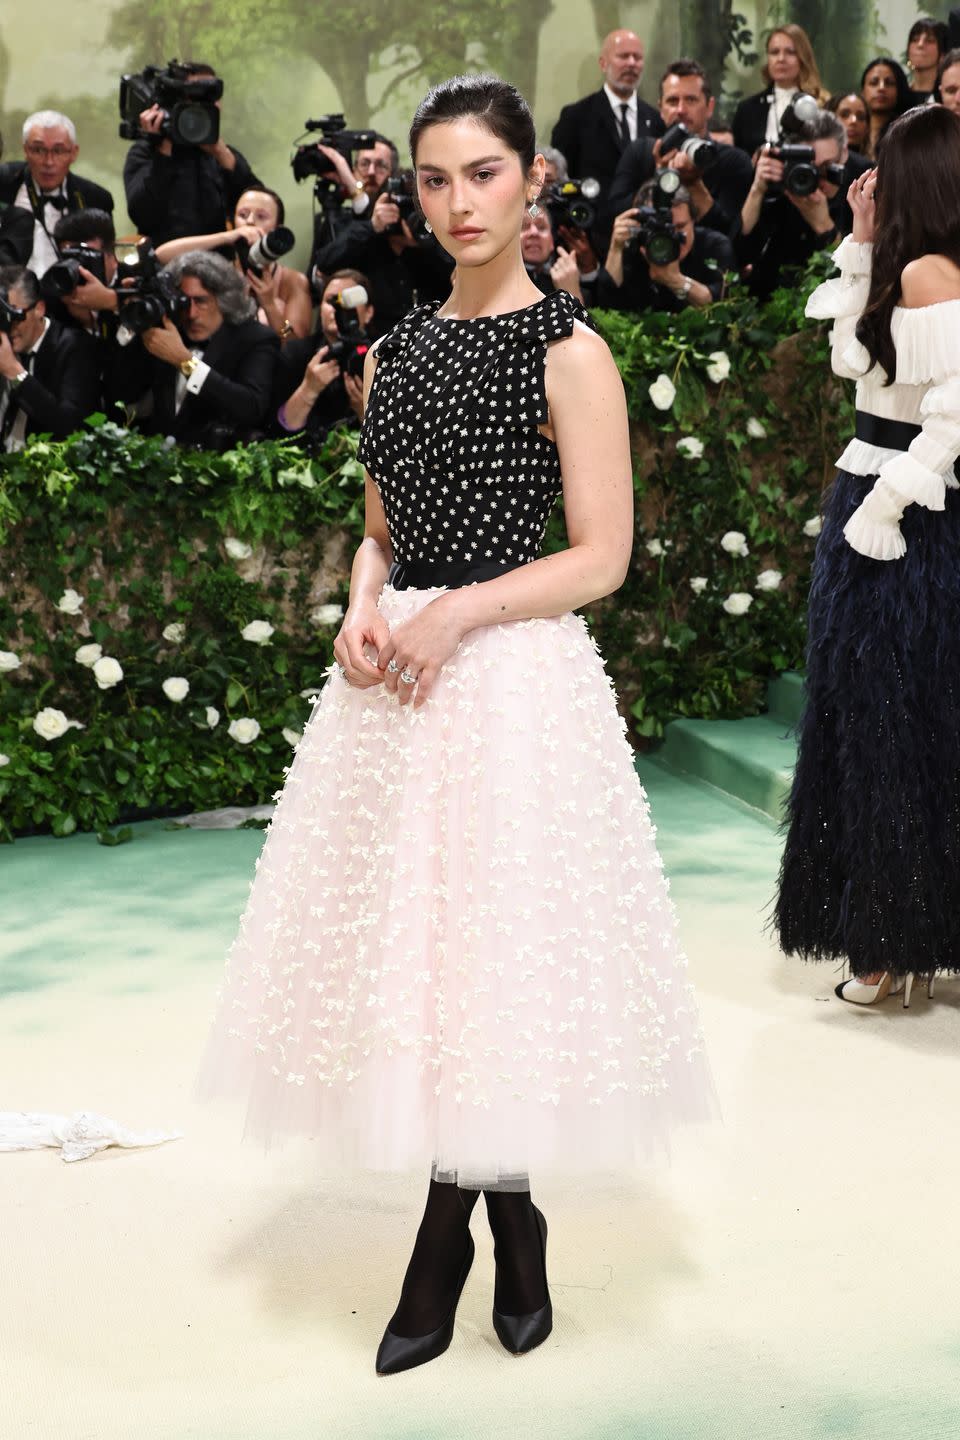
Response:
column 449, row 435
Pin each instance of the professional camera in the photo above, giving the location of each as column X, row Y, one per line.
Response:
column 9, row 316
column 190, row 116
column 658, row 235
column 800, row 173
column 145, row 294
column 697, row 150
column 570, row 202
column 64, row 277
column 265, row 251
column 402, row 189
column 350, row 349
column 309, row 160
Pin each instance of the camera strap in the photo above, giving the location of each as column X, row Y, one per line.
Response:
column 38, row 206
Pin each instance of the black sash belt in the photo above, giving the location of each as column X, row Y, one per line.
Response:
column 885, row 434
column 425, row 574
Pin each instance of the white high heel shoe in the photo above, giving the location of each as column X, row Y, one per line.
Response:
column 856, row 993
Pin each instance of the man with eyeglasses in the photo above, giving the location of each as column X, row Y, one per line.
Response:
column 45, row 187
column 49, row 375
column 369, row 235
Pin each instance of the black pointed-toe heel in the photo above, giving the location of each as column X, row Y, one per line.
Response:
column 399, row 1352
column 520, row 1333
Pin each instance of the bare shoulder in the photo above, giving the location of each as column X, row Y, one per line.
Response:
column 580, row 360
column 929, row 280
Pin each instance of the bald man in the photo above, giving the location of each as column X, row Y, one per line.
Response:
column 594, row 132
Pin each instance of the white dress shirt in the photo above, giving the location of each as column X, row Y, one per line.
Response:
column 779, row 100
column 18, row 430
column 44, row 253
column 631, row 104
column 193, row 384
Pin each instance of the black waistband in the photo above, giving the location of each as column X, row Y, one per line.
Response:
column 885, row 434
column 425, row 574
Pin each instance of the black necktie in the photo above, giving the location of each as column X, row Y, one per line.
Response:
column 624, row 127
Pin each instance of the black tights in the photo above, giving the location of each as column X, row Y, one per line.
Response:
column 430, row 1284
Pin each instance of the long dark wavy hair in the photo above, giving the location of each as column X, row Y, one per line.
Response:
column 917, row 213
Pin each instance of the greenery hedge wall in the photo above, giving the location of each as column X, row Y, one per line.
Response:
column 166, row 615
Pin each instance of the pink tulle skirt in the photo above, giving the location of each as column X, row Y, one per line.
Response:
column 458, row 950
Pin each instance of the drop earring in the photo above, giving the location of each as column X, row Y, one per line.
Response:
column 533, row 209
column 428, row 227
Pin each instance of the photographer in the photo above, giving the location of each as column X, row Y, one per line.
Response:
column 781, row 229
column 718, row 184
column 85, row 240
column 48, row 374
column 405, row 265
column 206, row 380
column 282, row 294
column 179, row 189
column 45, row 188
column 552, row 267
column 694, row 275
column 313, row 392
column 360, row 184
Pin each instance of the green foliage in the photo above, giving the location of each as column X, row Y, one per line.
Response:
column 140, row 531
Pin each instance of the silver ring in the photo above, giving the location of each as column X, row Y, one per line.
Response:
column 392, row 666
column 407, row 678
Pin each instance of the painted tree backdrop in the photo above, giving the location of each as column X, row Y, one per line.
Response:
column 284, row 60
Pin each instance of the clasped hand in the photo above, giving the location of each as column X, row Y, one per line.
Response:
column 421, row 646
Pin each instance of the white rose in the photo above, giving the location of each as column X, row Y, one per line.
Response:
column 4, row 760
column 756, row 428
column 212, row 717
column 769, row 580
column 292, row 737
column 176, row 633
column 327, row 614
column 70, row 603
column 813, row 527
column 735, row 543
column 176, row 688
column 237, row 549
column 107, row 672
column 663, row 392
column 654, row 547
column 51, row 724
column 258, row 632
column 88, row 655
column 690, row 446
column 9, row 661
column 698, row 584
column 718, row 366
column 738, row 603
column 244, row 730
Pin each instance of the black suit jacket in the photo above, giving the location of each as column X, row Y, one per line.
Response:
column 954, row 26
column 63, row 387
column 589, row 139
column 186, row 193
column 235, row 395
column 750, row 121
column 16, row 221
column 728, row 178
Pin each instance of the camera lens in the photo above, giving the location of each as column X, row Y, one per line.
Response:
column 195, row 124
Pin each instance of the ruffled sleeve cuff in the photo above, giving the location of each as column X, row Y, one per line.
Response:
column 847, row 294
column 873, row 529
column 913, row 483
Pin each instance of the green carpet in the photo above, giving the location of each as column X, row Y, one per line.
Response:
column 768, row 1283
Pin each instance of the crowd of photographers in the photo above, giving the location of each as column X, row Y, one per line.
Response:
column 203, row 333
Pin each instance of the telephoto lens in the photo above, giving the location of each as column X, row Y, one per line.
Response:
column 269, row 248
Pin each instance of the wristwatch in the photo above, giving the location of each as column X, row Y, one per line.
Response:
column 683, row 291
column 358, row 186
column 188, row 366
column 17, row 380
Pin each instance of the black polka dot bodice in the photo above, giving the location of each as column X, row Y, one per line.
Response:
column 450, row 436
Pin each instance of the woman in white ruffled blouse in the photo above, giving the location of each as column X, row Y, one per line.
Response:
column 871, row 861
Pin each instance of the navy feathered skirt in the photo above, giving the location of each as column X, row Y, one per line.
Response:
column 871, row 866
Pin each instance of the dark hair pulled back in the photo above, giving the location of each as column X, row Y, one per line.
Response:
column 495, row 104
column 917, row 213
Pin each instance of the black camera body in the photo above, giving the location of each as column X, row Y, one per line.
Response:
column 309, row 160
column 191, row 116
column 64, row 277
column 270, row 248
column 698, row 151
column 145, row 295
column 10, row 315
column 353, row 342
column 657, row 235
column 570, row 202
column 402, row 190
column 800, row 173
